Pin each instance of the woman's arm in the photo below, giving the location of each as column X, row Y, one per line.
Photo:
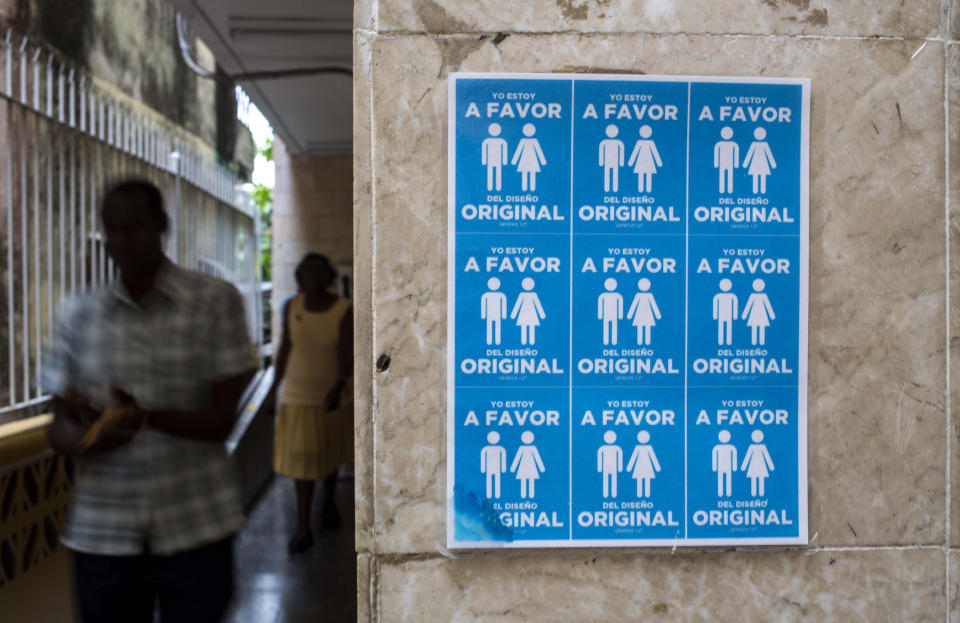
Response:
column 344, row 360
column 283, row 353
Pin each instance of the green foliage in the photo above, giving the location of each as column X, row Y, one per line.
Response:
column 267, row 150
column 266, row 253
column 262, row 196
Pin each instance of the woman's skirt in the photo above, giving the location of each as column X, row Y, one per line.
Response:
column 310, row 442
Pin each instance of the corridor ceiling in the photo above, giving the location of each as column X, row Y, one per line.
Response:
column 312, row 114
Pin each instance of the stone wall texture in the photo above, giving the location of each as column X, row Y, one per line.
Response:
column 884, row 340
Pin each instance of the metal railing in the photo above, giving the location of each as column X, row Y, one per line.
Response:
column 63, row 137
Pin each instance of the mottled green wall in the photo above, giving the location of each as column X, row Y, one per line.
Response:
column 132, row 44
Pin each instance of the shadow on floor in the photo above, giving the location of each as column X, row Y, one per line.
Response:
column 316, row 585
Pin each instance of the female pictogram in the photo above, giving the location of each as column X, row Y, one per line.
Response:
column 645, row 159
column 644, row 464
column 758, row 313
column 528, row 312
column 644, row 311
column 527, row 465
column 528, row 157
column 759, row 160
column 756, row 463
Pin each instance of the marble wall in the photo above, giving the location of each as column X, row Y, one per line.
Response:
column 884, row 428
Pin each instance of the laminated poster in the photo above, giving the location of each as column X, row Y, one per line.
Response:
column 627, row 311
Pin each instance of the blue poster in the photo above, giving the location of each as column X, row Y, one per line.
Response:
column 627, row 311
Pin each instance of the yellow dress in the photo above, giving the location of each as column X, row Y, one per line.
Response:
column 311, row 442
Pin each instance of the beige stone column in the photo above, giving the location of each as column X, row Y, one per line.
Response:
column 312, row 212
column 884, row 481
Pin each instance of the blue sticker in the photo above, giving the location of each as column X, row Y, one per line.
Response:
column 627, row 311
column 743, row 312
column 513, row 460
column 513, row 156
column 628, row 455
column 629, row 165
column 745, row 158
column 512, row 310
column 743, row 462
column 628, row 295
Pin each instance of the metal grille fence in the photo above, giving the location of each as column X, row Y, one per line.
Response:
column 63, row 137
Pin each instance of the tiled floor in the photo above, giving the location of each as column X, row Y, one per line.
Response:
column 318, row 585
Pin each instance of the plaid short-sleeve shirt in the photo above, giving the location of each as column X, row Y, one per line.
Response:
column 159, row 492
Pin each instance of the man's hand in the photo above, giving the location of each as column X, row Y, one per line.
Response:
column 80, row 429
column 72, row 416
column 116, row 426
column 79, row 406
column 133, row 417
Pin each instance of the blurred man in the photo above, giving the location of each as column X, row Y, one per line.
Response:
column 156, row 501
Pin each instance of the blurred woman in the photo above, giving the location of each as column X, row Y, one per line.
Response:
column 314, row 430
